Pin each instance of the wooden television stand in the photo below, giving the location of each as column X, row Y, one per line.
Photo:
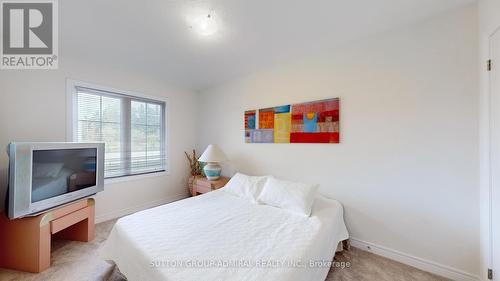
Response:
column 25, row 242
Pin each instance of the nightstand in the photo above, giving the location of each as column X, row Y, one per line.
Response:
column 203, row 185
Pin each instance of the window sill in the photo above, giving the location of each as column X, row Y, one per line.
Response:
column 135, row 177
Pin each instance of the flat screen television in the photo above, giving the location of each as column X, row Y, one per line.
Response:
column 46, row 175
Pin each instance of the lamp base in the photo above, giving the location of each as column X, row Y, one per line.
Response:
column 212, row 171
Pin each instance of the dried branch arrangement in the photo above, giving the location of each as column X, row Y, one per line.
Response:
column 194, row 165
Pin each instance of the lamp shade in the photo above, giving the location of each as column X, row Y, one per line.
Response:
column 212, row 154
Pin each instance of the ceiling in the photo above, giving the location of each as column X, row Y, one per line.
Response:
column 153, row 36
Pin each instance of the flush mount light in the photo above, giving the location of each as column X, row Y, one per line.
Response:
column 205, row 24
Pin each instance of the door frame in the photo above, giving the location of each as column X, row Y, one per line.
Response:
column 492, row 256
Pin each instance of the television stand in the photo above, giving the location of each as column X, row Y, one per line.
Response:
column 25, row 242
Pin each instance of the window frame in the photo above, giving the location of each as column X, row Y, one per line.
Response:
column 71, row 122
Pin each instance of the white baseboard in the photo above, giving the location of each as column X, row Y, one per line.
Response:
column 425, row 265
column 123, row 212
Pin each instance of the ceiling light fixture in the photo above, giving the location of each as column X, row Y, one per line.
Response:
column 205, row 24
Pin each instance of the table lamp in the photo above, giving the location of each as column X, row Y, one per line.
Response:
column 212, row 156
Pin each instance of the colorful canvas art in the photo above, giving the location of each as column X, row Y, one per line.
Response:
column 310, row 122
column 250, row 119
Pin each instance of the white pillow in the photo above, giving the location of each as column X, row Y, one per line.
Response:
column 46, row 170
column 248, row 187
column 293, row 196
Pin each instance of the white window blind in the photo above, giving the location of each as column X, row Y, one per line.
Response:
column 132, row 128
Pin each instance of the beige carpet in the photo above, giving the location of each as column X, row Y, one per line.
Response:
column 367, row 266
column 78, row 261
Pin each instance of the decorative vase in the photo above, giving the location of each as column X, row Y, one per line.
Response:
column 212, row 171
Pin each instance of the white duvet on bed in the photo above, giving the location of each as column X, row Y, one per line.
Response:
column 218, row 236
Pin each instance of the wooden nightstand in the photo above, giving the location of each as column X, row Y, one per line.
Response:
column 203, row 185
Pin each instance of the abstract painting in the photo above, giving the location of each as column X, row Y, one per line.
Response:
column 250, row 125
column 310, row 122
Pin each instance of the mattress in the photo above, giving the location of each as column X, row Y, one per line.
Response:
column 219, row 236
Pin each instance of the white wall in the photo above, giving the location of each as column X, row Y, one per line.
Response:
column 33, row 108
column 407, row 168
column 489, row 21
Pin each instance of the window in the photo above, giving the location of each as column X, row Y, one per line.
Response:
column 132, row 128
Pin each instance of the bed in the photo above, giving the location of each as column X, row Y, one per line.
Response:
column 219, row 236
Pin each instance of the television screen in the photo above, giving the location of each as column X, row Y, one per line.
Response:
column 59, row 171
